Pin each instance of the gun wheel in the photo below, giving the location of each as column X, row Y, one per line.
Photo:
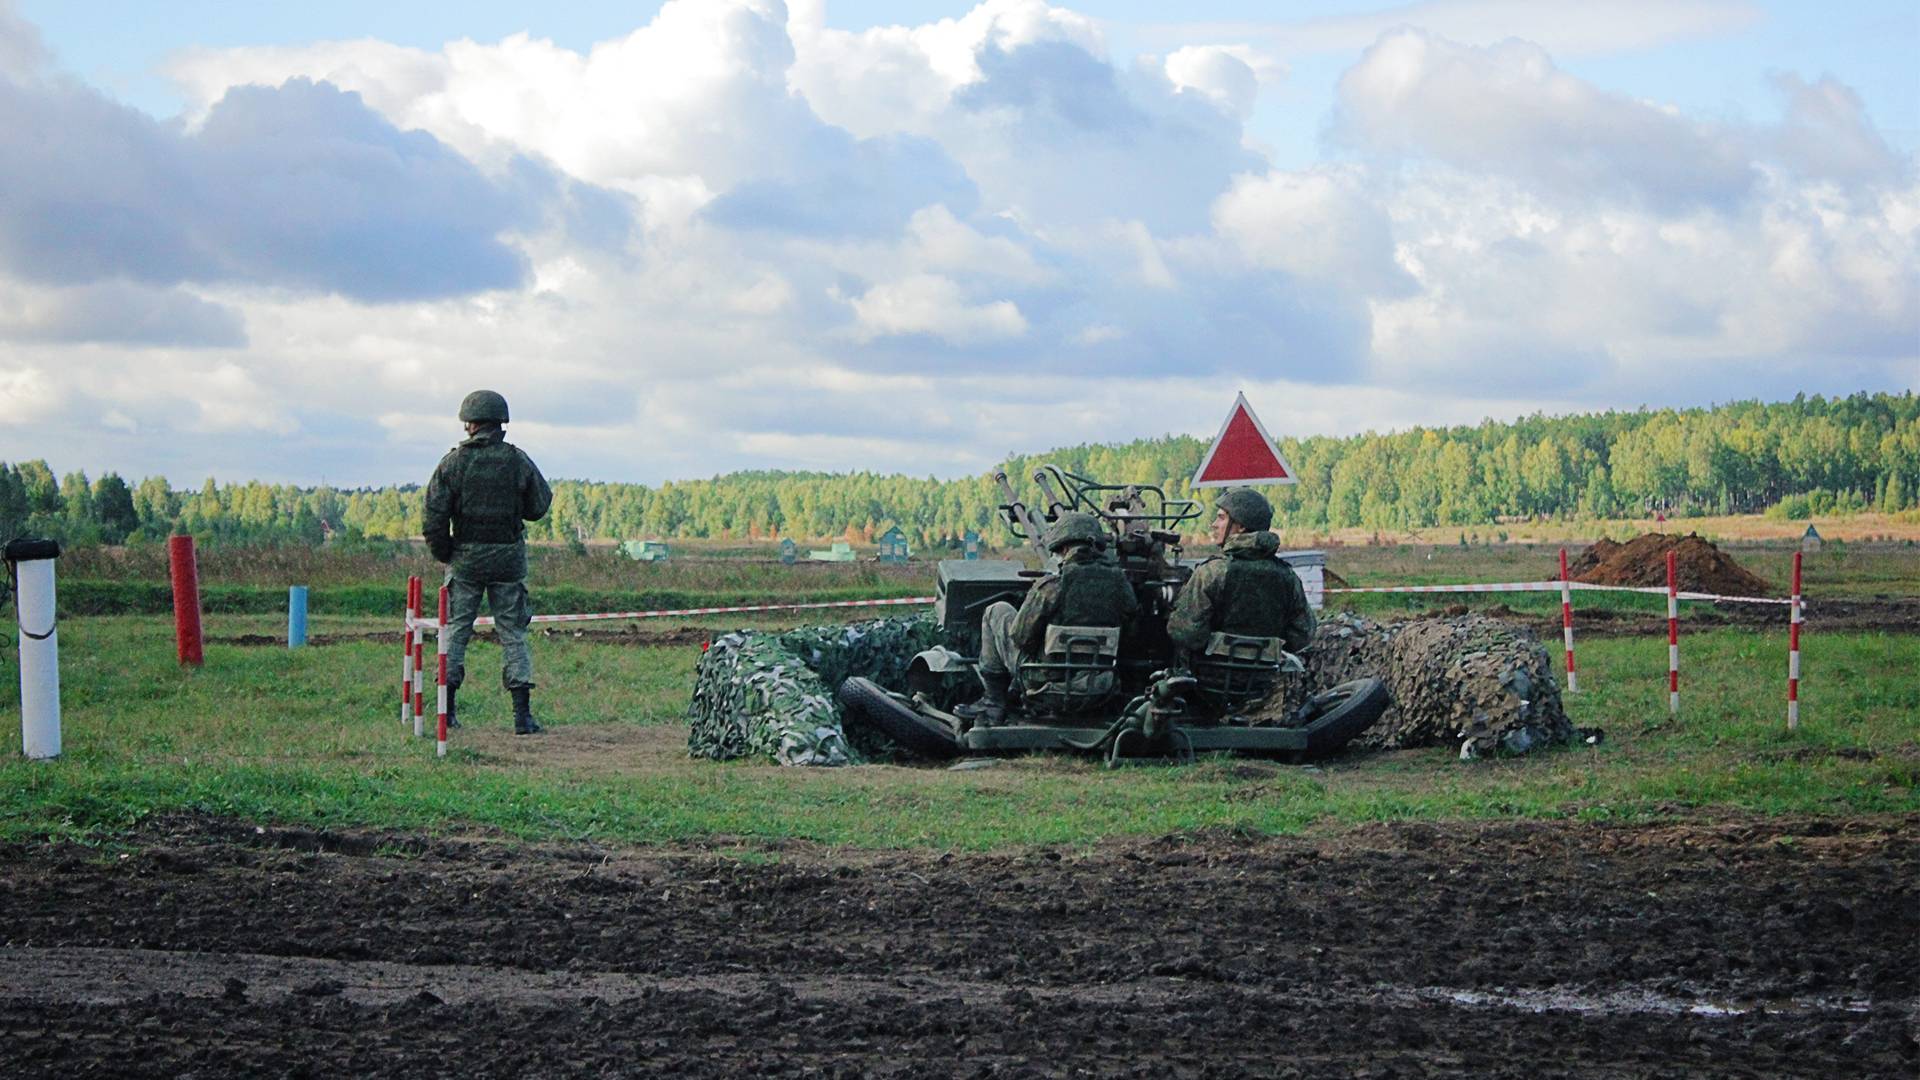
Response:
column 1335, row 716
column 923, row 735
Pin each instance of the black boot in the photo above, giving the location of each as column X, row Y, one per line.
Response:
column 453, row 715
column 991, row 709
column 523, row 721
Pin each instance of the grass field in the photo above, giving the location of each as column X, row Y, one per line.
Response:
column 312, row 736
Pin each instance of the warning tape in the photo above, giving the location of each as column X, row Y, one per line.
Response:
column 1550, row 586
column 913, row 601
column 487, row 620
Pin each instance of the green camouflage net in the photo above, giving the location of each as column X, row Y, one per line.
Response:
column 1478, row 684
column 771, row 694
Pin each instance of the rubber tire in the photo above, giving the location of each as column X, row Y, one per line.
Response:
column 921, row 734
column 1363, row 702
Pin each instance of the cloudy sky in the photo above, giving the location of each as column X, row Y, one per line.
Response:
column 281, row 241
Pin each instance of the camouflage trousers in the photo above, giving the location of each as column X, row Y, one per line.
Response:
column 998, row 653
column 507, row 601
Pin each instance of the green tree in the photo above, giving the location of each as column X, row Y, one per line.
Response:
column 113, row 507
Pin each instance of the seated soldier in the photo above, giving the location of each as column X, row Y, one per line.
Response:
column 1244, row 591
column 1089, row 590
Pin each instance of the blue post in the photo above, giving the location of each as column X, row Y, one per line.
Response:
column 296, row 616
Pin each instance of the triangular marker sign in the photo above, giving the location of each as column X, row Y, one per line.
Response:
column 1243, row 453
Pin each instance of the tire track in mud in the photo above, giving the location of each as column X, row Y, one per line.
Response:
column 1751, row 947
column 105, row 976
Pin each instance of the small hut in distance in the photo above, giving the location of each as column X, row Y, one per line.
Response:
column 841, row 551
column 893, row 546
column 646, row 550
column 1810, row 540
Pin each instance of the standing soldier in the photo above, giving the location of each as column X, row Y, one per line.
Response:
column 1244, row 590
column 480, row 494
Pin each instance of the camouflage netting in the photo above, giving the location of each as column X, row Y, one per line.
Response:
column 1469, row 681
column 771, row 693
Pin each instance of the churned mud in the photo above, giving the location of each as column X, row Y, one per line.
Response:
column 1756, row 948
column 1873, row 615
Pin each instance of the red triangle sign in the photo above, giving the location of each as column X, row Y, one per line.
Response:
column 1243, row 453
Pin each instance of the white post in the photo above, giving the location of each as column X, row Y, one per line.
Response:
column 32, row 561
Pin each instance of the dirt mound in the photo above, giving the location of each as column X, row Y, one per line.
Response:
column 1642, row 561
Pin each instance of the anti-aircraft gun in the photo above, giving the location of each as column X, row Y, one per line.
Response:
column 1138, row 699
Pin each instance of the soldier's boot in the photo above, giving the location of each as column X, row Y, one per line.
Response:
column 453, row 714
column 523, row 721
column 991, row 709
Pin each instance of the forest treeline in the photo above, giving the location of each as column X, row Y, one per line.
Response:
column 1811, row 455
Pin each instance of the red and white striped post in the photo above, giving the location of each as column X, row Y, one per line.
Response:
column 419, row 668
column 1566, row 622
column 406, row 650
column 441, row 677
column 1794, row 619
column 1673, row 635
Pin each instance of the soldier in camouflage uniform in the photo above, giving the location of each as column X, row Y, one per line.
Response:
column 1244, row 590
column 1089, row 589
column 480, row 494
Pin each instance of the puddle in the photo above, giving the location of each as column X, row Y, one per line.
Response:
column 1627, row 1002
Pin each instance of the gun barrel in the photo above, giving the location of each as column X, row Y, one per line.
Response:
column 1054, row 505
column 1026, row 518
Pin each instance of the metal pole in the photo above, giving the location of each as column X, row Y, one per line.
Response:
column 296, row 616
column 406, row 649
column 185, row 571
column 419, row 682
column 32, row 564
column 1794, row 618
column 441, row 678
column 1673, row 635
column 1566, row 622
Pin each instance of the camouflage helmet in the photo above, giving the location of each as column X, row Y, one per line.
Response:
column 1075, row 528
column 483, row 406
column 1248, row 508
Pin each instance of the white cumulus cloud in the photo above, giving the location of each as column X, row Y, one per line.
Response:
column 736, row 237
column 934, row 305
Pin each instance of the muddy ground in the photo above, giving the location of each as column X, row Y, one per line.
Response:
column 1876, row 615
column 1759, row 948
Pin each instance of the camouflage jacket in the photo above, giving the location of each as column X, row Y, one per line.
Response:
column 1089, row 590
column 480, row 494
column 1244, row 590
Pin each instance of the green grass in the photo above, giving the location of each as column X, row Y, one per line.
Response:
column 312, row 736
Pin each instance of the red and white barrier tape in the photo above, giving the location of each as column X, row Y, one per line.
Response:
column 413, row 656
column 1552, row 586
column 905, row 601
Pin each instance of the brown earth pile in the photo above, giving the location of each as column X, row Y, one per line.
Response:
column 1642, row 561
